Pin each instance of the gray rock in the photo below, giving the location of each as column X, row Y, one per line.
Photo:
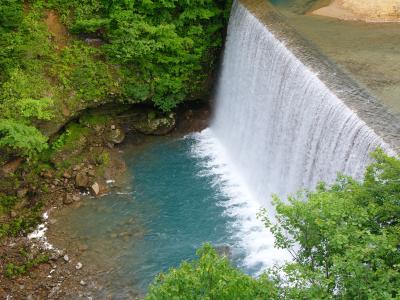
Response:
column 95, row 189
column 78, row 266
column 66, row 258
column 223, row 250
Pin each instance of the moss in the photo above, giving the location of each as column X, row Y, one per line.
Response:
column 90, row 120
column 68, row 144
column 103, row 159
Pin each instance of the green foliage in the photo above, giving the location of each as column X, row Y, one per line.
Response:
column 21, row 139
column 22, row 224
column 90, row 25
column 81, row 71
column 345, row 238
column 159, row 51
column 11, row 14
column 165, row 48
column 36, row 79
column 74, row 133
column 65, row 150
column 13, row 270
column 6, row 203
column 25, row 94
column 209, row 277
column 60, row 142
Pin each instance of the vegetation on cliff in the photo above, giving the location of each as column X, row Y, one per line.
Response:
column 161, row 52
column 344, row 240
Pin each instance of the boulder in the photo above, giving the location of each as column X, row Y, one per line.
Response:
column 156, row 125
column 115, row 135
column 223, row 250
column 10, row 167
column 82, row 180
column 67, row 175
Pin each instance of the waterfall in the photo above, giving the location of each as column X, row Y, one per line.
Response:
column 282, row 126
column 277, row 128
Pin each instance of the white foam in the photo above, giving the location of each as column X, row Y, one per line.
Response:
column 252, row 236
column 39, row 235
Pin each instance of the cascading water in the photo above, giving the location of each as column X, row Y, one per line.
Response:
column 277, row 128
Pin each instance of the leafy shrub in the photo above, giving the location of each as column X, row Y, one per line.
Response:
column 81, row 71
column 90, row 25
column 24, row 140
column 209, row 277
column 11, row 14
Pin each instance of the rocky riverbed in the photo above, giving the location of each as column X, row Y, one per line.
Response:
column 31, row 266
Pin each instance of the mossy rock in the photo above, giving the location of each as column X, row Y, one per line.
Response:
column 154, row 124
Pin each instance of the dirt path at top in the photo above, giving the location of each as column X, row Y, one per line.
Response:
column 59, row 31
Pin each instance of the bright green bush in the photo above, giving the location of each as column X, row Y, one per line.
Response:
column 22, row 139
column 81, row 71
column 209, row 277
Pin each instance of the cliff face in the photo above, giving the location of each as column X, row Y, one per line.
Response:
column 364, row 10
